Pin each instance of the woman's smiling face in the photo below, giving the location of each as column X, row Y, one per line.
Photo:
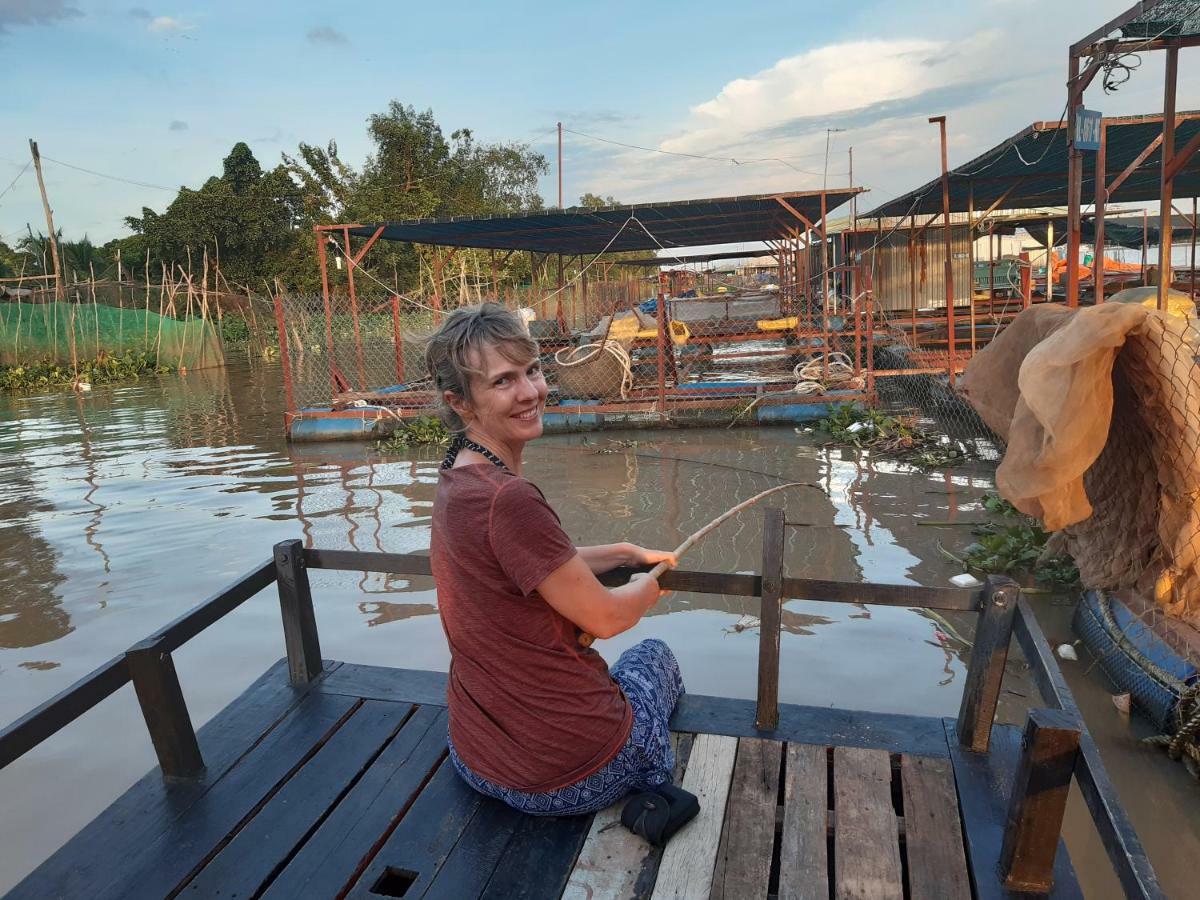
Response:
column 507, row 400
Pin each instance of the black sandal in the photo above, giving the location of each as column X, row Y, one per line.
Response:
column 658, row 813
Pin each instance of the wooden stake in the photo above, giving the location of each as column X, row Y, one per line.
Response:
column 59, row 293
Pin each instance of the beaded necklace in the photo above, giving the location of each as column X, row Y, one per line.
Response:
column 462, row 442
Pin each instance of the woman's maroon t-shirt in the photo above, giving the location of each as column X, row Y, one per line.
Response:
column 530, row 709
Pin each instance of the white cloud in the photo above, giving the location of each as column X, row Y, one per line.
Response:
column 169, row 24
column 827, row 86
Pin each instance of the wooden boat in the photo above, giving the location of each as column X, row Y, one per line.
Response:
column 330, row 779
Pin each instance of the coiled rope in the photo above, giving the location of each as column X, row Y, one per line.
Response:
column 821, row 372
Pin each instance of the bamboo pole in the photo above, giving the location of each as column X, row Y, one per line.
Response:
column 586, row 639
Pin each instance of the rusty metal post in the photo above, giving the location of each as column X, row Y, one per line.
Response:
column 912, row 275
column 1026, row 281
column 284, row 358
column 495, row 292
column 825, row 307
column 397, row 339
column 1193, row 266
column 950, row 345
column 1074, row 182
column 1145, row 244
column 323, row 259
column 661, row 314
column 1168, row 181
column 1101, row 179
column 358, row 347
column 1049, row 261
column 870, row 345
column 971, row 257
column 562, row 321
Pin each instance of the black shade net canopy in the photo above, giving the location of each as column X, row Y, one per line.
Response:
column 638, row 226
column 1030, row 170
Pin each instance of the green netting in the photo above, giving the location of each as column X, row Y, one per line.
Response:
column 32, row 332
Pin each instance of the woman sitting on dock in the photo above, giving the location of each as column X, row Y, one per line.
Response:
column 536, row 719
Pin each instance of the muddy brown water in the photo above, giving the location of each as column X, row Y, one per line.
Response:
column 121, row 509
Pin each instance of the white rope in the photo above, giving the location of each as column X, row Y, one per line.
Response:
column 823, row 371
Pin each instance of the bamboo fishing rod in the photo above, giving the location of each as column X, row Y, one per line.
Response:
column 586, row 639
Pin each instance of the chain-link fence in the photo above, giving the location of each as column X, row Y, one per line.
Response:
column 612, row 352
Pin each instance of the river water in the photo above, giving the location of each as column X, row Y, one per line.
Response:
column 122, row 508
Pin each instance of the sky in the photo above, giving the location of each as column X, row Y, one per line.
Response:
column 157, row 94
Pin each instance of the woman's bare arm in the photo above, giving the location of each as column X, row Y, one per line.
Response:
column 574, row 592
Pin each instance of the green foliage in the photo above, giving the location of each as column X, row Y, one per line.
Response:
column 10, row 263
column 235, row 330
column 257, row 221
column 104, row 369
column 595, row 201
column 1016, row 546
column 244, row 218
column 423, row 431
column 894, row 436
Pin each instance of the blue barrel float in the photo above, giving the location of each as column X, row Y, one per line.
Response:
column 1134, row 657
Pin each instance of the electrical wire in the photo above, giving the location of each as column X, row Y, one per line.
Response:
column 737, row 161
column 11, row 184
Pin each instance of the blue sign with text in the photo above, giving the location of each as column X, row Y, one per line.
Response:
column 1087, row 129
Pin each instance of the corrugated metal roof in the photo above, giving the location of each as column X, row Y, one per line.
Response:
column 1033, row 164
column 684, row 223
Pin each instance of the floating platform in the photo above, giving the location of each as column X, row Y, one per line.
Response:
column 329, row 779
column 764, row 402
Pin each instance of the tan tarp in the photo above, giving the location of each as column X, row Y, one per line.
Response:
column 1100, row 409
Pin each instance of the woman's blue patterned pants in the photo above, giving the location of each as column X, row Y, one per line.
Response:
column 649, row 676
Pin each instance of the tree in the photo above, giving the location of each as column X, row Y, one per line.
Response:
column 595, row 201
column 245, row 219
column 10, row 261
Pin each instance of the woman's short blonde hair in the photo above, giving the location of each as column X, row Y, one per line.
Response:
column 453, row 349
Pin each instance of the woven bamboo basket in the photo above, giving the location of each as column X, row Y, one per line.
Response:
column 593, row 371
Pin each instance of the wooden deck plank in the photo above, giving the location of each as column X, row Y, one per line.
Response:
column 470, row 864
column 243, row 865
column 984, row 782
column 331, row 858
column 804, row 849
column 744, row 858
column 167, row 861
column 937, row 862
column 695, row 713
column 539, row 858
column 686, row 870
column 426, row 834
column 151, row 805
column 866, row 841
column 385, row 683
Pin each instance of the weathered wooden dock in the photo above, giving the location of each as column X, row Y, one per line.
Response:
column 329, row 779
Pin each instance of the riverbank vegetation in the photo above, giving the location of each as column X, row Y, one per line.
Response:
column 103, row 369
